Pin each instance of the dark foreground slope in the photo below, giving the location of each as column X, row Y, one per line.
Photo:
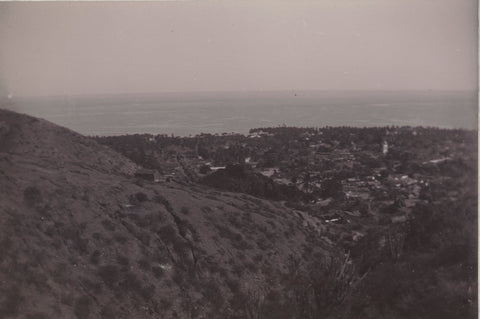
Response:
column 81, row 238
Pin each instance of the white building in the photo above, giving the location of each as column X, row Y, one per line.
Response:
column 385, row 148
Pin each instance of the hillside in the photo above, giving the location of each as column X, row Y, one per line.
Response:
column 80, row 237
column 402, row 201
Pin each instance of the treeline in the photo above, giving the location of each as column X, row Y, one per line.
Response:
column 287, row 143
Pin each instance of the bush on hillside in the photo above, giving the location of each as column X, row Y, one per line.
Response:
column 32, row 196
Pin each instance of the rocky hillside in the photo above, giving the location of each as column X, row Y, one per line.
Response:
column 81, row 237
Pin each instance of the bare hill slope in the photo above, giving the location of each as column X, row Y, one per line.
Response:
column 80, row 237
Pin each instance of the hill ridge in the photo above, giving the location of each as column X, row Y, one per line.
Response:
column 81, row 237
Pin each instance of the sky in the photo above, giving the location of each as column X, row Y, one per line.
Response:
column 49, row 48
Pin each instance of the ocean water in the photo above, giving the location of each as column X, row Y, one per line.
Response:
column 186, row 114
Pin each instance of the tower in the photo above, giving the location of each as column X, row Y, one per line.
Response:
column 385, row 147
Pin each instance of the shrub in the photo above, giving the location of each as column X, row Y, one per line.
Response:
column 162, row 200
column 32, row 196
column 82, row 308
column 131, row 283
column 157, row 271
column 107, row 313
column 144, row 237
column 12, row 299
column 144, row 264
column 168, row 234
column 109, row 274
column 137, row 198
column 148, row 292
column 141, row 197
column 122, row 260
column 95, row 257
column 5, row 247
column 178, row 277
column 332, row 281
column 67, row 299
column 233, row 285
column 316, row 290
column 235, row 238
column 206, row 209
column 108, row 225
column 332, row 187
column 150, row 220
column 185, row 211
column 73, row 235
column 213, row 294
column 121, row 239
column 204, row 169
column 180, row 247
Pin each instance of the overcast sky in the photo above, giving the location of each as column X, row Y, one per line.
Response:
column 122, row 47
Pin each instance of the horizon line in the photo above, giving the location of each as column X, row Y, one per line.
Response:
column 242, row 91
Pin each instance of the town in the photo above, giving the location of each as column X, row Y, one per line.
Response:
column 353, row 179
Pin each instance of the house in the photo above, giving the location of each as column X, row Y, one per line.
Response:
column 146, row 174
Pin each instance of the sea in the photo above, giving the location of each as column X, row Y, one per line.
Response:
column 192, row 113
